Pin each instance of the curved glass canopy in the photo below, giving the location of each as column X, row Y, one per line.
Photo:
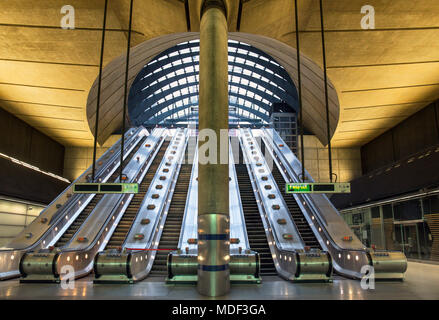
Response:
column 165, row 92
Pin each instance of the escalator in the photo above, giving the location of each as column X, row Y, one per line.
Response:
column 124, row 226
column 318, row 210
column 74, row 227
column 171, row 231
column 255, row 228
column 296, row 214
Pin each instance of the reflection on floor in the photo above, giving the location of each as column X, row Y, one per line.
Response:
column 421, row 283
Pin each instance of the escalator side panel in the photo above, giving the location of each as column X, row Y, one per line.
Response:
column 274, row 208
column 114, row 204
column 161, row 186
column 348, row 257
column 81, row 256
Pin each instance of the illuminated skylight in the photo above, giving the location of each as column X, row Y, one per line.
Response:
column 166, row 90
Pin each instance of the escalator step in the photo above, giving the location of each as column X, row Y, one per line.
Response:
column 171, row 230
column 255, row 228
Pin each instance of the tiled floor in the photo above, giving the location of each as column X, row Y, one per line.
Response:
column 422, row 282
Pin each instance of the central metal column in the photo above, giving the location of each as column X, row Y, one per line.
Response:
column 213, row 178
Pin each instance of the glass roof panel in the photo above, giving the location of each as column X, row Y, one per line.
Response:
column 167, row 87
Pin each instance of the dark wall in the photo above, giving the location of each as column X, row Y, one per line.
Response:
column 403, row 160
column 24, row 183
column 19, row 140
column 410, row 176
column 415, row 134
column 378, row 152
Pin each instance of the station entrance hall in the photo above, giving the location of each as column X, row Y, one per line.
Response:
column 253, row 151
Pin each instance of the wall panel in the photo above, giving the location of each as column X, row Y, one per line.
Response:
column 378, row 153
column 413, row 135
column 416, row 133
column 21, row 141
column 15, row 215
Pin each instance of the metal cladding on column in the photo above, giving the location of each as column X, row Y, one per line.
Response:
column 213, row 178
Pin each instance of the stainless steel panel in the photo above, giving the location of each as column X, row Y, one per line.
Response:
column 246, row 264
column 389, row 265
column 237, row 222
column 190, row 221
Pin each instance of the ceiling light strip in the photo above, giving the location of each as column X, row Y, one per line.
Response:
column 27, row 165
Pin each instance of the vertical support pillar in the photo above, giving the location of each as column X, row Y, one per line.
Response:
column 383, row 234
column 213, row 178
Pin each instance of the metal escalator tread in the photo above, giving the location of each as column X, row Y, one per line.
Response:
column 171, row 230
column 68, row 234
column 296, row 214
column 124, row 225
column 255, row 229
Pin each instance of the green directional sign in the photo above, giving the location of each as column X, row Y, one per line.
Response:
column 318, row 188
column 298, row 188
column 106, row 188
column 130, row 188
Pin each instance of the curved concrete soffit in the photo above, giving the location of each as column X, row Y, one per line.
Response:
column 113, row 77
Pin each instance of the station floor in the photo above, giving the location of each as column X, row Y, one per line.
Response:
column 421, row 283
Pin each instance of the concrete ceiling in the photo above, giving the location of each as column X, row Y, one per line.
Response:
column 382, row 76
